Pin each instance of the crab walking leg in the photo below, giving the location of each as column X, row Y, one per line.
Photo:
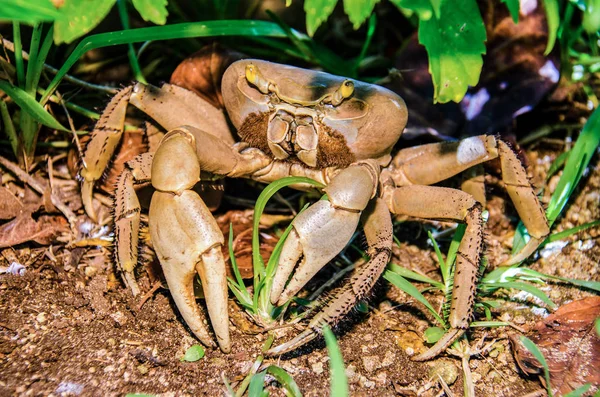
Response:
column 323, row 230
column 127, row 217
column 430, row 202
column 378, row 231
column 186, row 237
column 429, row 164
column 105, row 139
column 525, row 200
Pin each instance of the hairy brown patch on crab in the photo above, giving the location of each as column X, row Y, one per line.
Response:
column 333, row 151
column 254, row 131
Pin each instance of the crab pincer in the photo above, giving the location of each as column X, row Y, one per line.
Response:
column 187, row 238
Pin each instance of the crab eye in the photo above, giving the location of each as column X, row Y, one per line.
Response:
column 251, row 74
column 347, row 89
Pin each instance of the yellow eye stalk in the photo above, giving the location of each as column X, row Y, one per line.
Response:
column 345, row 91
column 255, row 78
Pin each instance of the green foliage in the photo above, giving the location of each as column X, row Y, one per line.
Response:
column 259, row 303
column 78, row 18
column 455, row 44
column 553, row 20
column 154, row 11
column 194, row 353
column 402, row 283
column 529, row 345
column 339, row 380
column 28, row 11
column 513, row 8
column 359, row 10
column 317, row 12
column 27, row 103
column 256, row 388
column 575, row 164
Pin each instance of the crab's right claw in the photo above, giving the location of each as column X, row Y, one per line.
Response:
column 105, row 139
column 322, row 231
column 187, row 239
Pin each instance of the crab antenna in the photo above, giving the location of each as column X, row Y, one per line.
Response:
column 254, row 77
column 345, row 90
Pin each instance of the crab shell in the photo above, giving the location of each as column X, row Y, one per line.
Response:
column 365, row 125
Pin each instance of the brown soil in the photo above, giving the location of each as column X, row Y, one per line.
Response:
column 71, row 330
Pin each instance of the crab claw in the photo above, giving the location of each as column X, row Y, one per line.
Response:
column 187, row 239
column 320, row 232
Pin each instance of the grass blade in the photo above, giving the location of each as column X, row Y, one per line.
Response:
column 133, row 61
column 9, row 128
column 438, row 252
column 522, row 287
column 553, row 19
column 533, row 349
column 175, row 31
column 257, row 382
column 409, row 274
column 569, row 232
column 18, row 54
column 410, row 289
column 339, row 380
column 285, row 380
column 33, row 53
column 30, row 105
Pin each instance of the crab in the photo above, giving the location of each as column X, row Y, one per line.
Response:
column 296, row 122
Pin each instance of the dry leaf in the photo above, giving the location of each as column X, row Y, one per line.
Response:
column 202, row 72
column 10, row 205
column 568, row 341
column 24, row 228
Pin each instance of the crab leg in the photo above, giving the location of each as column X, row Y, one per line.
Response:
column 187, row 238
column 378, row 231
column 448, row 204
column 106, row 136
column 323, row 230
column 127, row 217
column 170, row 106
column 429, row 164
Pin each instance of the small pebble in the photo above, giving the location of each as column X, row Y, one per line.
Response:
column 445, row 369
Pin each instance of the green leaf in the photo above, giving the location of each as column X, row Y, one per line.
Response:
column 455, row 43
column 317, row 12
column 80, row 17
column 406, row 273
column 598, row 326
column 576, row 163
column 30, row 105
column 553, row 20
column 523, row 287
column 339, row 380
column 285, row 379
column 194, row 353
column 421, row 7
column 359, row 10
column 28, row 11
column 257, row 382
column 591, row 17
column 580, row 391
column 529, row 345
column 433, row 334
column 154, row 11
column 513, row 8
column 410, row 289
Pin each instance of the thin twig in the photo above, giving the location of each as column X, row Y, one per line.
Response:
column 11, row 47
column 38, row 187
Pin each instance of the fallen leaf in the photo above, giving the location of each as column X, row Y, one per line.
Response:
column 202, row 72
column 24, row 228
column 570, row 345
column 10, row 205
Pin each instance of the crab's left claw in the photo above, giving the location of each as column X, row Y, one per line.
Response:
column 323, row 230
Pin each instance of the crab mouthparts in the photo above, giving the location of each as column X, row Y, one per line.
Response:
column 296, row 135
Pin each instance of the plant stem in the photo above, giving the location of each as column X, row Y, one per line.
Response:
column 18, row 55
column 133, row 61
